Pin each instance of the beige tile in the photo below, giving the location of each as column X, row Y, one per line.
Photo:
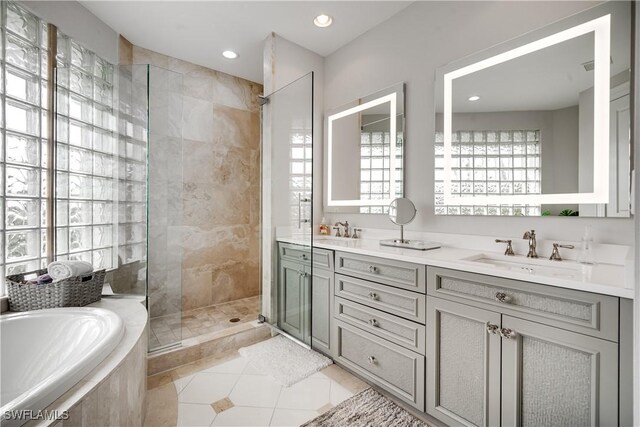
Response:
column 160, row 379
column 235, row 128
column 344, row 378
column 162, row 407
column 125, row 51
column 222, row 405
column 145, row 56
column 325, row 408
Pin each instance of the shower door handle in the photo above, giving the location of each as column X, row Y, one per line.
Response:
column 300, row 201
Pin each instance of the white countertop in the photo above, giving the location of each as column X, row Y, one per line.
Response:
column 602, row 278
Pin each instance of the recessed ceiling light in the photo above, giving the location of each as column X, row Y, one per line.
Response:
column 474, row 98
column 229, row 54
column 323, row 21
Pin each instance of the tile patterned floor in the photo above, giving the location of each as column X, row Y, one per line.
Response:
column 166, row 330
column 232, row 393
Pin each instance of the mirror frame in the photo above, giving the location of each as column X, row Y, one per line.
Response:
column 390, row 95
column 596, row 20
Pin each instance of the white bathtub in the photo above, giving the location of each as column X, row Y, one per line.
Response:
column 45, row 352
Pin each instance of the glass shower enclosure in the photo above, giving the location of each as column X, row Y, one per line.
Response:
column 118, row 170
column 287, row 194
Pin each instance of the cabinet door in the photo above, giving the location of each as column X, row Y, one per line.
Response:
column 321, row 309
column 291, row 304
column 463, row 364
column 553, row 377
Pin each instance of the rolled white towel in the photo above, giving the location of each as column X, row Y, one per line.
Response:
column 59, row 270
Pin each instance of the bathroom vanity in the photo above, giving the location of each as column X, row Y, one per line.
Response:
column 437, row 332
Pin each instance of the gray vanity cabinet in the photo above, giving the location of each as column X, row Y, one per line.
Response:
column 301, row 286
column 463, row 364
column 322, row 309
column 531, row 356
column 553, row 377
column 294, row 298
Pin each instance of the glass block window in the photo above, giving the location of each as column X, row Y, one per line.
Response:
column 488, row 163
column 87, row 157
column 300, row 176
column 23, row 162
column 374, row 169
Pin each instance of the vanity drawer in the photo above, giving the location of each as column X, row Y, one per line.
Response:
column 322, row 258
column 578, row 311
column 394, row 368
column 394, row 273
column 295, row 253
column 409, row 305
column 395, row 329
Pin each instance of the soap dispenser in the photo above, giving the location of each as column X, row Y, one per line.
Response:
column 324, row 228
column 586, row 252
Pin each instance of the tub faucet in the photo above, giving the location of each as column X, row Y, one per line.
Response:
column 345, row 225
column 531, row 235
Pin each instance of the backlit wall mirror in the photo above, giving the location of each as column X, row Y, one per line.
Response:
column 364, row 144
column 540, row 125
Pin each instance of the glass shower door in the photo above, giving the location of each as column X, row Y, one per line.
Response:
column 287, row 186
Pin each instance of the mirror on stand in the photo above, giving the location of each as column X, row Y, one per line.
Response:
column 401, row 212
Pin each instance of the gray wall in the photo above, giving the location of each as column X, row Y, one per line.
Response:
column 409, row 47
column 76, row 21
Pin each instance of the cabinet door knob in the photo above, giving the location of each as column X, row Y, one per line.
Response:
column 374, row 322
column 372, row 360
column 373, row 296
column 493, row 329
column 373, row 269
column 303, row 256
column 502, row 297
column 507, row 333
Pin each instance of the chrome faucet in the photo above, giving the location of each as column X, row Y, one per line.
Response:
column 509, row 250
column 345, row 225
column 555, row 253
column 531, row 235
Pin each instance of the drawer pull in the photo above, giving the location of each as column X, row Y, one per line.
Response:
column 303, row 256
column 374, row 323
column 374, row 296
column 373, row 269
column 502, row 297
column 507, row 333
column 372, row 360
column 493, row 329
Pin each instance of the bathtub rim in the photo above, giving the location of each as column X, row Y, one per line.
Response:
column 132, row 310
column 51, row 387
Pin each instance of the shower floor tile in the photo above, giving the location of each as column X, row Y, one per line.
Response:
column 168, row 329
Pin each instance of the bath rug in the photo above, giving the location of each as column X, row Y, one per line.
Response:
column 365, row 409
column 284, row 360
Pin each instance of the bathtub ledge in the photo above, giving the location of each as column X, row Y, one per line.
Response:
column 134, row 316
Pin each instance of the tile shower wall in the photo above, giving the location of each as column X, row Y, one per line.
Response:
column 221, row 183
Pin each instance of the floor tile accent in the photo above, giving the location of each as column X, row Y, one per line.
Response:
column 222, row 405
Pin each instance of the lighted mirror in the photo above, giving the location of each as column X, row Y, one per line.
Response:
column 364, row 143
column 540, row 125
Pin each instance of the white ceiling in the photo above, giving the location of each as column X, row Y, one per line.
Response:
column 198, row 31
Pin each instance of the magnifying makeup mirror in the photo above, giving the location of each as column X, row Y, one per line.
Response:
column 401, row 212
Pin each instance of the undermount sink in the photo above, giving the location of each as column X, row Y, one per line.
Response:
column 534, row 266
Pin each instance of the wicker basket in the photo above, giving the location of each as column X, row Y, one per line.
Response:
column 75, row 291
